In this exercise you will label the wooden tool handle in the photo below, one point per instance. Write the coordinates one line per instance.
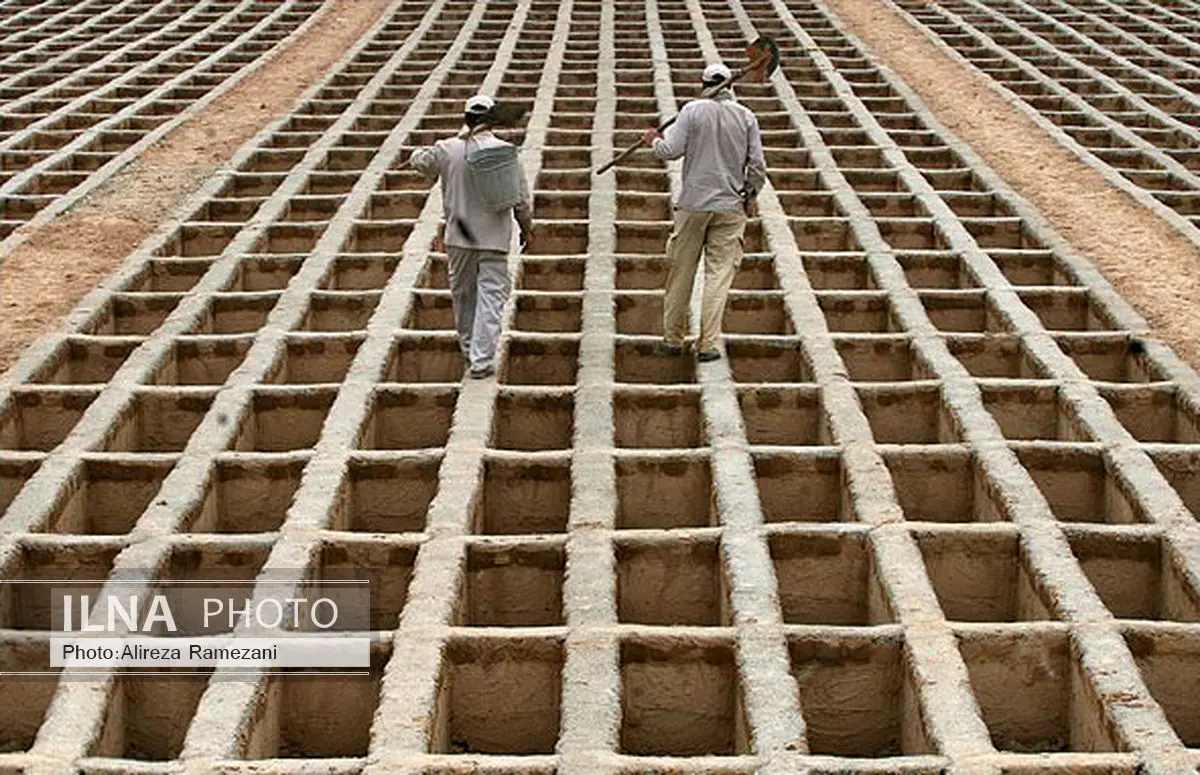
(625, 153)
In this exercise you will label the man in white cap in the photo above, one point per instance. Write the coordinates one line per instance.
(723, 170)
(476, 239)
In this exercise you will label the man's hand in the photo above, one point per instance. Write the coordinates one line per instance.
(650, 136)
(526, 241)
(751, 207)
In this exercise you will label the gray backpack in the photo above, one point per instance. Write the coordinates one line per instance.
(496, 175)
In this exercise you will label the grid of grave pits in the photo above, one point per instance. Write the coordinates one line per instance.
(933, 506)
(1121, 81)
(85, 87)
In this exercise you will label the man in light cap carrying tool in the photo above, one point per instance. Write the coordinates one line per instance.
(723, 170)
(477, 240)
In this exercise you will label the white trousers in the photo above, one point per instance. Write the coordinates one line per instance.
(479, 286)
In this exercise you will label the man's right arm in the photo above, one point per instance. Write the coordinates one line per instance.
(429, 161)
(673, 144)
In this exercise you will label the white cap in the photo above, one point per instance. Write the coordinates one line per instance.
(715, 72)
(480, 103)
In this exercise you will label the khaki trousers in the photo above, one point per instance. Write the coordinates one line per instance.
(720, 235)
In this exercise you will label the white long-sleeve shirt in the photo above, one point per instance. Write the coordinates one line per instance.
(468, 224)
(721, 146)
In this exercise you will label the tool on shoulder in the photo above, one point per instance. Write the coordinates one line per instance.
(763, 56)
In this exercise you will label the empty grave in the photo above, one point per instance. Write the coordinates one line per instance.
(282, 420)
(311, 360)
(827, 577)
(644, 361)
(360, 273)
(202, 360)
(548, 314)
(1033, 413)
(431, 311)
(313, 716)
(425, 359)
(663, 492)
(14, 473)
(533, 420)
(30, 606)
(147, 717)
(655, 418)
(982, 576)
(994, 355)
(943, 486)
(159, 421)
(961, 311)
(1078, 486)
(759, 312)
(640, 313)
(935, 270)
(758, 360)
(1067, 310)
(520, 496)
(671, 582)
(1136, 576)
(864, 312)
(39, 420)
(907, 415)
(86, 361)
(837, 273)
(513, 585)
(1109, 359)
(795, 487)
(237, 563)
(1153, 414)
(132, 314)
(409, 418)
(540, 361)
(880, 359)
(230, 313)
(498, 696)
(388, 568)
(1168, 664)
(247, 495)
(1032, 693)
(339, 311)
(858, 696)
(23, 700)
(784, 416)
(387, 496)
(106, 497)
(681, 698)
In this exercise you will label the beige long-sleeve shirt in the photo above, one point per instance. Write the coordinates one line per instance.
(721, 146)
(468, 224)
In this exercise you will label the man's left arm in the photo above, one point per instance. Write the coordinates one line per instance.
(756, 165)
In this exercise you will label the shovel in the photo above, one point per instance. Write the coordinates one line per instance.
(763, 56)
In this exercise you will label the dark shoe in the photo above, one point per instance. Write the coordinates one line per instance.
(672, 350)
(708, 356)
(482, 373)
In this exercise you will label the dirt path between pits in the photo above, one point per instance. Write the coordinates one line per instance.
(1146, 260)
(46, 277)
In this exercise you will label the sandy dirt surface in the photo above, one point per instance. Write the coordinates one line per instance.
(46, 277)
(1148, 262)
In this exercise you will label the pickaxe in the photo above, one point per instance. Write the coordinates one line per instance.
(763, 56)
